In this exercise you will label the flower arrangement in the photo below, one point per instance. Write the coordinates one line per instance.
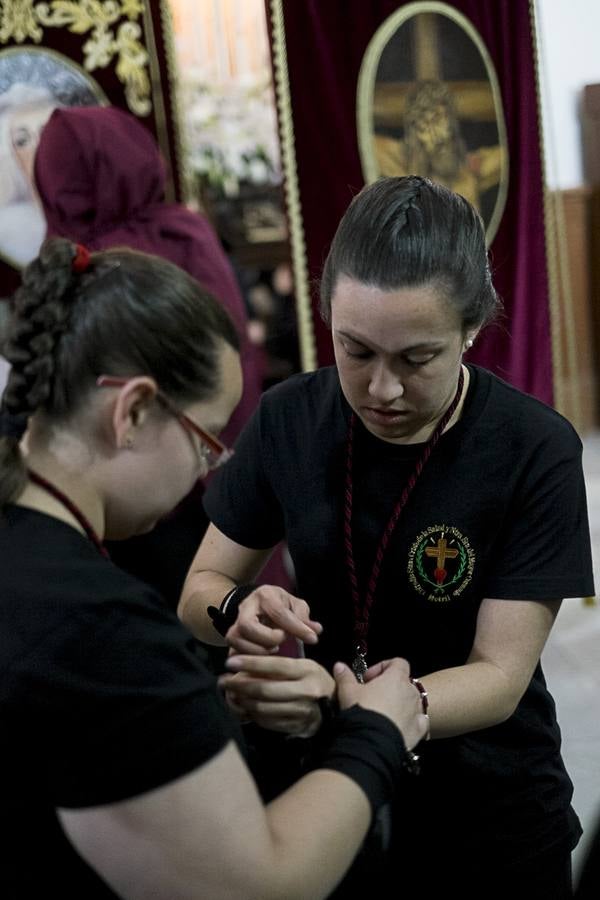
(231, 132)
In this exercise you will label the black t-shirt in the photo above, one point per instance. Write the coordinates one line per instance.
(104, 695)
(499, 511)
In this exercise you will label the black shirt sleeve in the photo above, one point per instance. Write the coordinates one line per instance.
(544, 549)
(240, 499)
(125, 704)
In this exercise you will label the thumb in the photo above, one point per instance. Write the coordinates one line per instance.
(342, 673)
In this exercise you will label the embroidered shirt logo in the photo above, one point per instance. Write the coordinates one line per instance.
(440, 563)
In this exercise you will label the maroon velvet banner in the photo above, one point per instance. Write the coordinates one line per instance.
(75, 54)
(372, 86)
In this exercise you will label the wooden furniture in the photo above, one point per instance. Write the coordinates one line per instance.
(251, 224)
(590, 242)
(573, 322)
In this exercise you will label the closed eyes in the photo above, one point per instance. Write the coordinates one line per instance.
(357, 351)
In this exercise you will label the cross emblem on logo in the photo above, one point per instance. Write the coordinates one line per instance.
(441, 552)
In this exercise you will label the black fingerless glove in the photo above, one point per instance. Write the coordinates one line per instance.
(367, 747)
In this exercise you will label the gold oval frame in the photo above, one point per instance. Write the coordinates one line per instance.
(66, 61)
(366, 89)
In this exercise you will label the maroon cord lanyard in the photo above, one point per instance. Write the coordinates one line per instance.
(362, 611)
(74, 510)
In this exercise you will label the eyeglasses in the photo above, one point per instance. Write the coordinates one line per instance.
(214, 453)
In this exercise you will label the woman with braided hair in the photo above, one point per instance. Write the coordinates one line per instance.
(122, 768)
(102, 181)
(431, 511)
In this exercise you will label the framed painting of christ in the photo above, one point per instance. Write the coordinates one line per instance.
(429, 103)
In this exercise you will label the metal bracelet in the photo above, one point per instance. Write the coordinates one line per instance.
(424, 703)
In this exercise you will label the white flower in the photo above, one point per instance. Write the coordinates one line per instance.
(232, 131)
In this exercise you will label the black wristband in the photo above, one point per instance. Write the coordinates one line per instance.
(367, 747)
(224, 617)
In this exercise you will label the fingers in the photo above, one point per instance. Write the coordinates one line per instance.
(381, 667)
(245, 690)
(375, 670)
(299, 721)
(342, 672)
(253, 641)
(283, 667)
(289, 613)
(267, 615)
(287, 619)
(347, 687)
(275, 679)
(278, 693)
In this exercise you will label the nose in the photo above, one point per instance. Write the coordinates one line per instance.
(384, 384)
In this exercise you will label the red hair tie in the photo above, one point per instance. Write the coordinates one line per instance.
(81, 260)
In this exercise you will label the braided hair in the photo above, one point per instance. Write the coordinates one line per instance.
(408, 232)
(127, 314)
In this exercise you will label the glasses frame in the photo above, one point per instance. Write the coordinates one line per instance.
(217, 454)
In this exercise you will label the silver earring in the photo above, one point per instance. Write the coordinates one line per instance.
(468, 343)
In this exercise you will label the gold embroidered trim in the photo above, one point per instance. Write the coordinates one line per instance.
(160, 115)
(308, 354)
(556, 250)
(18, 21)
(21, 20)
(181, 154)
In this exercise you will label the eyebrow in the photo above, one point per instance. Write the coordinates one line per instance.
(423, 345)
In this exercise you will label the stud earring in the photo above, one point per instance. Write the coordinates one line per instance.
(468, 343)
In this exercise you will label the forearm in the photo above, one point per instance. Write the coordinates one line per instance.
(485, 691)
(367, 754)
(324, 803)
(218, 566)
(468, 698)
(207, 834)
(201, 590)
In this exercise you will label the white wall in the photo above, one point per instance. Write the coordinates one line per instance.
(569, 48)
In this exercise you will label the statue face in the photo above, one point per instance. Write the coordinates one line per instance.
(432, 128)
(26, 126)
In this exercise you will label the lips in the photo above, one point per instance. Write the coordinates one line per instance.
(383, 416)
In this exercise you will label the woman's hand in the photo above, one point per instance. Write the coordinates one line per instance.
(388, 690)
(266, 617)
(279, 693)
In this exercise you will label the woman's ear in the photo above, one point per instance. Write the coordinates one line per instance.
(131, 409)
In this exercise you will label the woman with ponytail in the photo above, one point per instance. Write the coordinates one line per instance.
(432, 511)
(123, 771)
